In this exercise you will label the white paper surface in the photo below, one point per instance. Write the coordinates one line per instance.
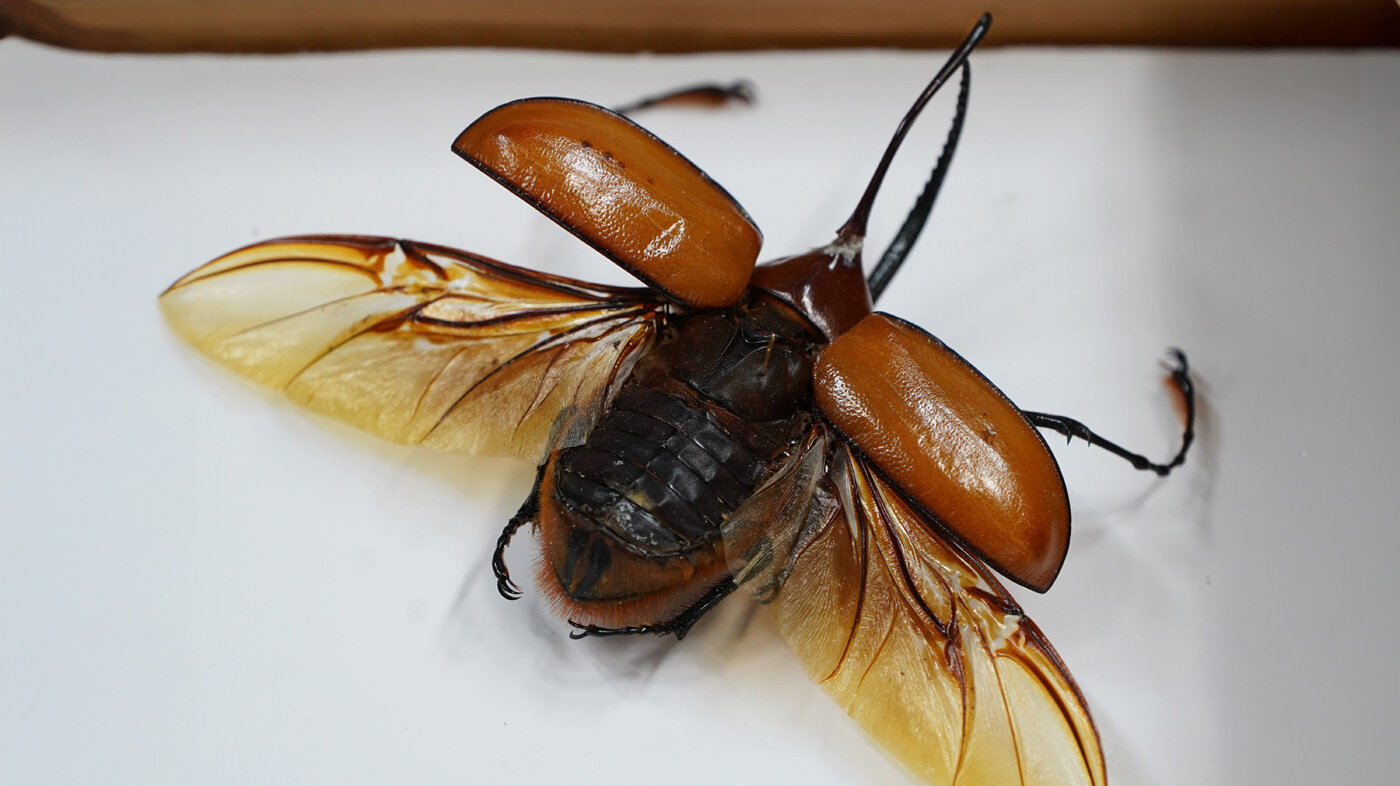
(200, 583)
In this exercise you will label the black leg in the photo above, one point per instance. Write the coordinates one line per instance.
(677, 626)
(1071, 428)
(707, 94)
(526, 515)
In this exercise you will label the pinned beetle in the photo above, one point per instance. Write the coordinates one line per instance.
(729, 425)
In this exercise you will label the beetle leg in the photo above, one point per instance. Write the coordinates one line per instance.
(705, 94)
(1071, 428)
(678, 625)
(529, 512)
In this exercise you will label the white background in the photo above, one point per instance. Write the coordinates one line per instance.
(200, 583)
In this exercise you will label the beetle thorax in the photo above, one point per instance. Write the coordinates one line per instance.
(826, 285)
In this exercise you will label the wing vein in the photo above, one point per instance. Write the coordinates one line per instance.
(370, 324)
(910, 594)
(521, 354)
(433, 380)
(295, 260)
(863, 547)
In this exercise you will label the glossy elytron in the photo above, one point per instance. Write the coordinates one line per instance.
(726, 426)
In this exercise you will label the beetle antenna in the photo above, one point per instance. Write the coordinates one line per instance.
(855, 225)
(913, 225)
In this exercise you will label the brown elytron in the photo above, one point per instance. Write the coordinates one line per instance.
(953, 442)
(724, 428)
(622, 190)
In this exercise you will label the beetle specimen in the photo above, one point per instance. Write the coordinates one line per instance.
(728, 425)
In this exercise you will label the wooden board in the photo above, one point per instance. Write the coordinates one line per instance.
(688, 25)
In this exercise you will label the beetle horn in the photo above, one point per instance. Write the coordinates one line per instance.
(913, 225)
(854, 228)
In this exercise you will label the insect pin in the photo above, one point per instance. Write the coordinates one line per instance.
(727, 425)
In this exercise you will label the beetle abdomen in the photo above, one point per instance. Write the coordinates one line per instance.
(631, 518)
(657, 474)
